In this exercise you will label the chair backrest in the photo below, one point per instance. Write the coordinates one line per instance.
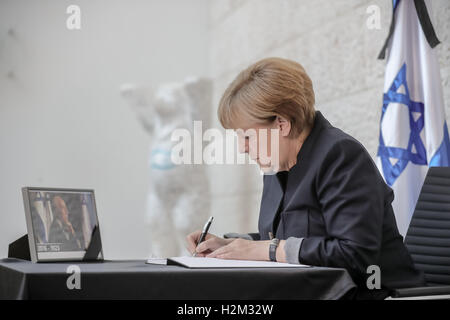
(428, 237)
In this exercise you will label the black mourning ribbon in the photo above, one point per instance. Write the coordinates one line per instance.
(95, 246)
(425, 22)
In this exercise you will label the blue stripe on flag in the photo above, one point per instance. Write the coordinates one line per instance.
(395, 3)
(442, 156)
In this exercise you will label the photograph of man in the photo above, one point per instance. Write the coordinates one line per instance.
(61, 229)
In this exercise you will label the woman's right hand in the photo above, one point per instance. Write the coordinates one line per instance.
(211, 243)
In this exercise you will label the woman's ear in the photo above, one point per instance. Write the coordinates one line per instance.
(283, 125)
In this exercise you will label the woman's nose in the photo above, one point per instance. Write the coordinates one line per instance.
(243, 149)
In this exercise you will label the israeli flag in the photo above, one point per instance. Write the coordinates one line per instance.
(413, 129)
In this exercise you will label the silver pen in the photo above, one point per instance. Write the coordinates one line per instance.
(204, 233)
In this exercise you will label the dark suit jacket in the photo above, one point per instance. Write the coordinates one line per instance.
(59, 234)
(338, 202)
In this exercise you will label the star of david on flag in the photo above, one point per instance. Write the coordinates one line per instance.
(413, 129)
(415, 151)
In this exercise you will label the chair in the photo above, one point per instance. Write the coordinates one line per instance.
(428, 238)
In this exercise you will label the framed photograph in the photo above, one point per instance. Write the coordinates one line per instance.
(61, 223)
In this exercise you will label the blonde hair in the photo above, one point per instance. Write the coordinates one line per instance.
(269, 88)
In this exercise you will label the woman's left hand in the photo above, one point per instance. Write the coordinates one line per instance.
(241, 249)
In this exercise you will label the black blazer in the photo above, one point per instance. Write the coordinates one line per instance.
(338, 202)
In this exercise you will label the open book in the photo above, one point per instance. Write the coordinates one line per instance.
(201, 262)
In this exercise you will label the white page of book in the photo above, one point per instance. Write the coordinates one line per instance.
(201, 262)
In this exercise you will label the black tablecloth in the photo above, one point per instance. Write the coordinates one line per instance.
(20, 279)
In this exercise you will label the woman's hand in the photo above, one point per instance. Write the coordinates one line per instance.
(237, 249)
(211, 243)
(243, 249)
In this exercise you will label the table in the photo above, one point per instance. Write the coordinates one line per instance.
(21, 279)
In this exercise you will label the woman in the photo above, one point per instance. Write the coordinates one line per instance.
(327, 205)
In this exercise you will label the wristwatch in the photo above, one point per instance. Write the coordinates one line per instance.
(273, 249)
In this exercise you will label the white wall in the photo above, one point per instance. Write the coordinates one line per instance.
(62, 120)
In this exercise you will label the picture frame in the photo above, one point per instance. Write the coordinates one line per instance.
(62, 224)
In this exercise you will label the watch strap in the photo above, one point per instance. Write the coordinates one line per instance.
(273, 249)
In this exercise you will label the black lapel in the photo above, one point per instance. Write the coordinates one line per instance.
(298, 171)
(270, 203)
(273, 191)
